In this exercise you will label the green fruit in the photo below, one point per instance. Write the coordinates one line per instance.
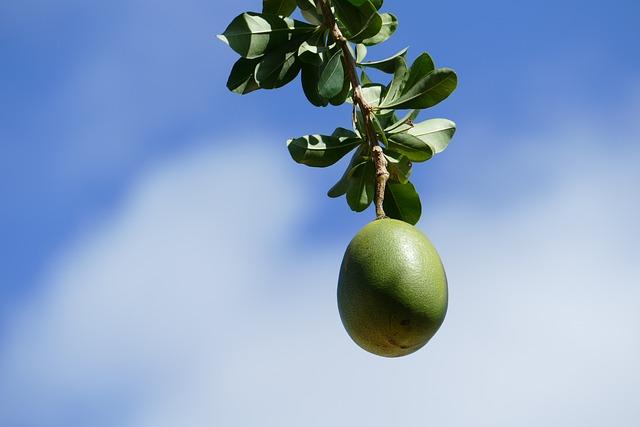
(392, 290)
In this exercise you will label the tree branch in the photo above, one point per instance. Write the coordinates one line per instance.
(382, 174)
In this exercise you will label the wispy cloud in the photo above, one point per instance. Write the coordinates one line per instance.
(188, 307)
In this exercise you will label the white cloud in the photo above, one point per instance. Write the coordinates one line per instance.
(190, 308)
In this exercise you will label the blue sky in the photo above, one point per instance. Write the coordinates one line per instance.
(142, 203)
(97, 92)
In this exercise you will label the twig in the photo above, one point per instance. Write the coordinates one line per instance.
(382, 174)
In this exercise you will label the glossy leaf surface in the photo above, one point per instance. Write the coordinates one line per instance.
(340, 187)
(411, 146)
(426, 92)
(242, 78)
(320, 150)
(278, 7)
(361, 186)
(399, 166)
(332, 77)
(310, 77)
(401, 201)
(252, 34)
(386, 65)
(389, 26)
(279, 67)
(436, 133)
(357, 23)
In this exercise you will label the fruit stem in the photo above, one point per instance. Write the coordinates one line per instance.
(349, 62)
(382, 175)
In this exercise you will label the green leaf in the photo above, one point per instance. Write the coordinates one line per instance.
(332, 77)
(342, 97)
(253, 34)
(436, 133)
(377, 3)
(411, 146)
(278, 7)
(311, 54)
(344, 133)
(359, 22)
(387, 65)
(310, 78)
(399, 166)
(372, 93)
(242, 79)
(379, 129)
(426, 92)
(404, 78)
(401, 172)
(310, 11)
(400, 75)
(312, 50)
(361, 52)
(361, 186)
(278, 67)
(359, 124)
(357, 2)
(320, 150)
(422, 66)
(403, 124)
(401, 201)
(389, 26)
(342, 185)
(384, 119)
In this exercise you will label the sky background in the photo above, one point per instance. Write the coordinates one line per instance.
(163, 262)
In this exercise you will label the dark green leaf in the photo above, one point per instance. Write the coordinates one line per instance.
(310, 54)
(357, 22)
(342, 97)
(422, 66)
(360, 124)
(426, 92)
(400, 75)
(401, 201)
(377, 3)
(436, 133)
(278, 7)
(253, 34)
(361, 52)
(384, 119)
(387, 65)
(278, 67)
(344, 133)
(411, 146)
(310, 77)
(342, 185)
(361, 186)
(405, 78)
(332, 77)
(320, 150)
(399, 166)
(377, 126)
(310, 11)
(403, 124)
(242, 79)
(312, 50)
(389, 26)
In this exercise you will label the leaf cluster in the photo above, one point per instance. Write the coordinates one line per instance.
(274, 48)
